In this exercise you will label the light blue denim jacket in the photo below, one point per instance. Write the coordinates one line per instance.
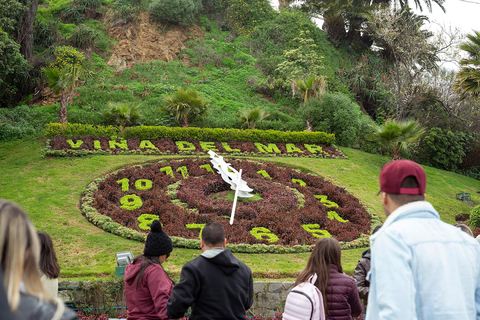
(423, 268)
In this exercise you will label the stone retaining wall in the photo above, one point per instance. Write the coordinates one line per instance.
(269, 296)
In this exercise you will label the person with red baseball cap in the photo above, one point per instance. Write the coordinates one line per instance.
(421, 268)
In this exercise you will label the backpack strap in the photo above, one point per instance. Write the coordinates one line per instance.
(309, 299)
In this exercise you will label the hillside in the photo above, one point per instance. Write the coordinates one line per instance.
(49, 190)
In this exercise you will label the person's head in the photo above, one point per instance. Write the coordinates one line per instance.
(48, 260)
(213, 236)
(327, 251)
(19, 253)
(158, 243)
(464, 228)
(401, 182)
(158, 247)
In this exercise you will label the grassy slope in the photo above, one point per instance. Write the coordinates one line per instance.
(49, 189)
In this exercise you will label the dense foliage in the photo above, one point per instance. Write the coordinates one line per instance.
(175, 11)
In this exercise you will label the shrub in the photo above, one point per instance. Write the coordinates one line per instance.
(121, 114)
(252, 117)
(45, 33)
(443, 148)
(186, 106)
(14, 70)
(475, 217)
(243, 16)
(127, 9)
(83, 37)
(180, 133)
(213, 6)
(337, 114)
(22, 121)
(92, 4)
(74, 13)
(181, 12)
(229, 63)
(67, 55)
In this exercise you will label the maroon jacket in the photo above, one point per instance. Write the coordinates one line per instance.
(149, 302)
(342, 296)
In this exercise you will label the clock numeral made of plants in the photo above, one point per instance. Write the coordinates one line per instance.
(289, 207)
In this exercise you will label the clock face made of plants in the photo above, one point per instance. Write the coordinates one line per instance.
(289, 208)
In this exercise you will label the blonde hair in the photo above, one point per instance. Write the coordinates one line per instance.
(19, 254)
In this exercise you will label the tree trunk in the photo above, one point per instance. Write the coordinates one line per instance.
(62, 113)
(185, 122)
(25, 38)
(396, 154)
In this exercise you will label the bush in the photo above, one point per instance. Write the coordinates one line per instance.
(83, 37)
(213, 6)
(178, 133)
(45, 33)
(337, 114)
(444, 149)
(127, 9)
(243, 16)
(13, 70)
(22, 121)
(121, 114)
(181, 12)
(365, 130)
(475, 217)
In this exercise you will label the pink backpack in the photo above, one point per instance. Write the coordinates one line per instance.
(304, 302)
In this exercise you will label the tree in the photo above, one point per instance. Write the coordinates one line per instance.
(25, 36)
(11, 12)
(13, 70)
(64, 81)
(312, 87)
(121, 114)
(468, 78)
(397, 135)
(185, 106)
(252, 117)
(413, 52)
(303, 61)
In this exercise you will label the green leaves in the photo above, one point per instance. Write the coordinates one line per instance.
(397, 135)
(252, 117)
(186, 106)
(468, 78)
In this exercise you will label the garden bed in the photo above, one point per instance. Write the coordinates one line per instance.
(293, 209)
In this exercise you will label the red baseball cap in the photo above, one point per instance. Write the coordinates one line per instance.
(393, 174)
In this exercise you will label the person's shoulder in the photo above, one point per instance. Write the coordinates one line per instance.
(33, 307)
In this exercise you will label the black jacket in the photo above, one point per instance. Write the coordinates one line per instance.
(220, 287)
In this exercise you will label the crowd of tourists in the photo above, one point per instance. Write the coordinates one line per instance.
(418, 267)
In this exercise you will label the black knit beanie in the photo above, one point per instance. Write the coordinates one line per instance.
(158, 242)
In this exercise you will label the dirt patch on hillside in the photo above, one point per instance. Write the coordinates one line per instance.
(144, 40)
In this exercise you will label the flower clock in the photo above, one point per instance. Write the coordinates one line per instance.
(289, 209)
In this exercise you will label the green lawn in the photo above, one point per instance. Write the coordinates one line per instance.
(49, 190)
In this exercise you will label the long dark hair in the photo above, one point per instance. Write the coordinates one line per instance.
(48, 260)
(326, 251)
(145, 262)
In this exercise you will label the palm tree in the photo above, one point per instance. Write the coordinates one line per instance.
(312, 87)
(121, 114)
(251, 117)
(468, 78)
(64, 81)
(185, 106)
(397, 135)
